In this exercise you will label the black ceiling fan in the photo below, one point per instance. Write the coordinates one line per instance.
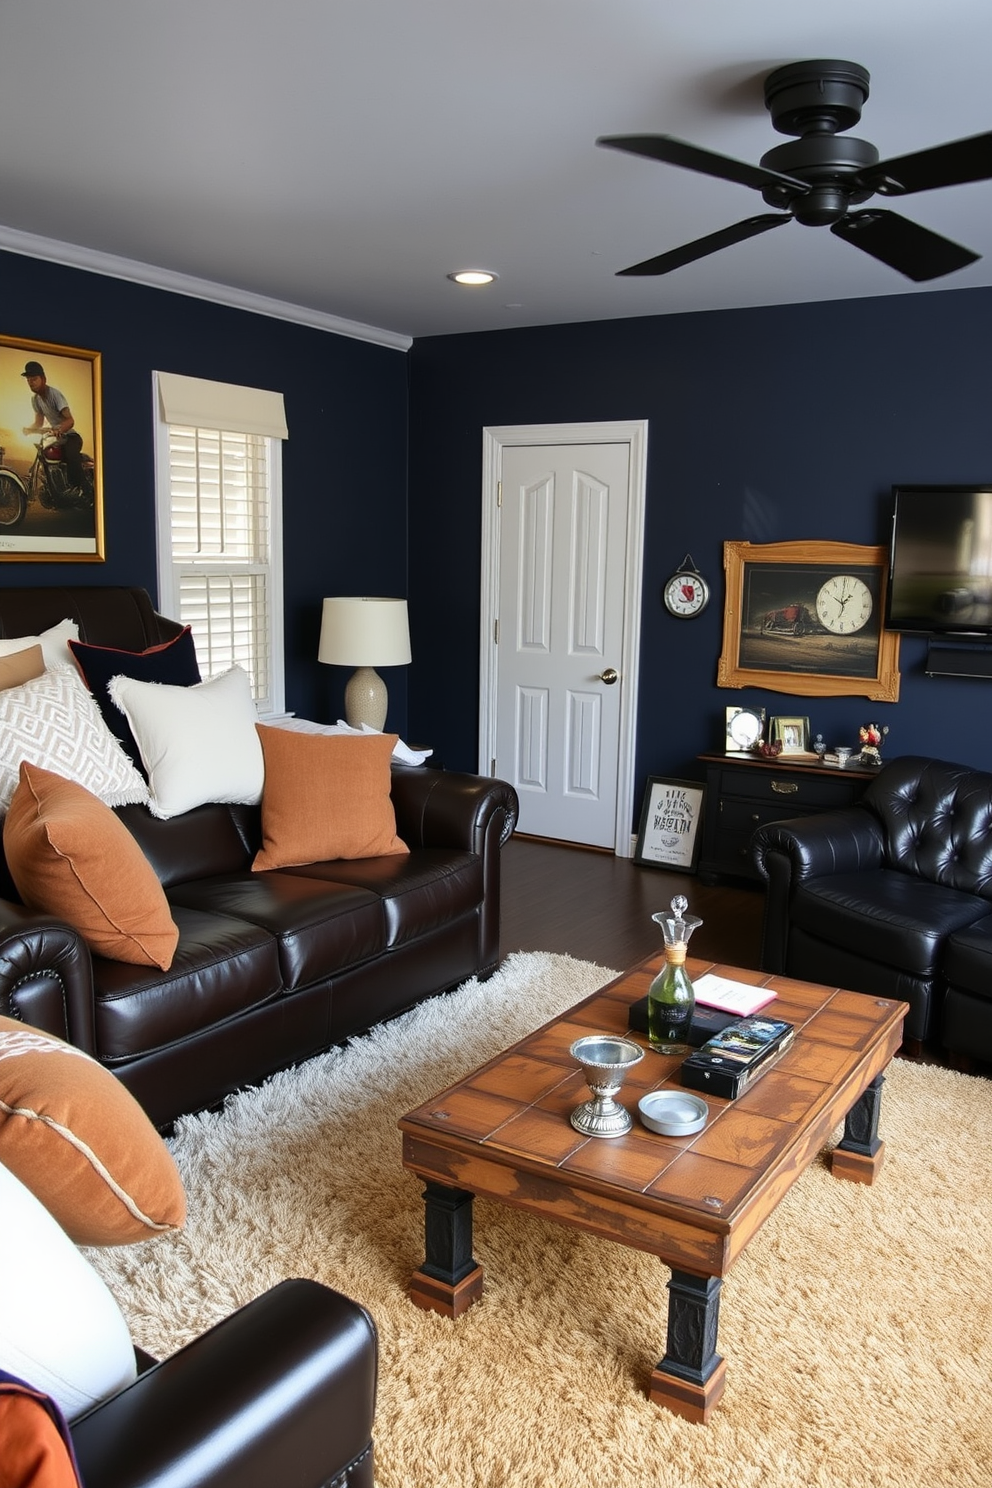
(821, 175)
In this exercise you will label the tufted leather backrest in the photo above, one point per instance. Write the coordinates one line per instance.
(937, 820)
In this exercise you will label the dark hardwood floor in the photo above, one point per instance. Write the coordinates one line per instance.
(597, 907)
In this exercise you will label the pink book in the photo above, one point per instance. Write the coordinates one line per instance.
(731, 997)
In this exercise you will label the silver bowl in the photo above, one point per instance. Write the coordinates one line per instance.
(605, 1059)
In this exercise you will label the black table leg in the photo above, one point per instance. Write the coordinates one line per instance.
(689, 1380)
(858, 1155)
(450, 1279)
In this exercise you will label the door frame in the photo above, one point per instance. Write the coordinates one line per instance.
(633, 433)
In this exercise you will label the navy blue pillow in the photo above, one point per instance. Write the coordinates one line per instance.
(174, 663)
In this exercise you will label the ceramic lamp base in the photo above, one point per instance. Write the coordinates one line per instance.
(365, 699)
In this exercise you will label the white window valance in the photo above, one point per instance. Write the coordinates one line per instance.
(196, 402)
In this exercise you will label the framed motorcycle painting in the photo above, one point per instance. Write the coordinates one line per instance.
(51, 455)
(808, 618)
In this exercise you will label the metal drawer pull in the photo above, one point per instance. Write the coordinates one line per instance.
(785, 787)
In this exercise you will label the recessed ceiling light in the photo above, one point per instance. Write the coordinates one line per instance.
(473, 276)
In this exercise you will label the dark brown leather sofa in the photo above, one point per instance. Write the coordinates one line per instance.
(893, 897)
(271, 967)
(280, 1393)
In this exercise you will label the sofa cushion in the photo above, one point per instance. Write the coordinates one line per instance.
(52, 721)
(21, 666)
(419, 891)
(223, 967)
(202, 843)
(320, 928)
(171, 662)
(326, 796)
(60, 1328)
(197, 744)
(884, 916)
(967, 961)
(72, 1133)
(70, 856)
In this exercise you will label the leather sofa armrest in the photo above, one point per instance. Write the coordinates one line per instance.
(46, 976)
(442, 808)
(282, 1392)
(848, 841)
(787, 853)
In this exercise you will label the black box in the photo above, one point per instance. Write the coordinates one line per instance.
(731, 1061)
(706, 1021)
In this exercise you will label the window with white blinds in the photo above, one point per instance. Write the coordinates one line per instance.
(220, 556)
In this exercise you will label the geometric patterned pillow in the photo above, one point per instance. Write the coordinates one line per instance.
(52, 721)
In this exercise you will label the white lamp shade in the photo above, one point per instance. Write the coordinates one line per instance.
(364, 631)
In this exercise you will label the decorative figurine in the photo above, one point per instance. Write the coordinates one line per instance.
(819, 747)
(871, 736)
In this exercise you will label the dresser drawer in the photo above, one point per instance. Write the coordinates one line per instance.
(804, 791)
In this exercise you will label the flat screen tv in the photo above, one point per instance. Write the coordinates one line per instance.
(940, 567)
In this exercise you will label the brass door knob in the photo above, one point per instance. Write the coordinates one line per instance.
(610, 676)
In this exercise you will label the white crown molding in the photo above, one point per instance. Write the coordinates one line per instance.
(95, 262)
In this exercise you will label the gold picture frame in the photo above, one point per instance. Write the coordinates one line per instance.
(792, 733)
(808, 618)
(52, 493)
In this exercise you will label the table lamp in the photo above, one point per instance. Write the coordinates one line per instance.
(365, 632)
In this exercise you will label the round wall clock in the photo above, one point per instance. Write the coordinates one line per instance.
(686, 594)
(843, 604)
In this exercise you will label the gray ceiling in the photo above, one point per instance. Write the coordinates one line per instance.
(345, 155)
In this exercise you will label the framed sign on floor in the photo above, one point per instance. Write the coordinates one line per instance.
(670, 817)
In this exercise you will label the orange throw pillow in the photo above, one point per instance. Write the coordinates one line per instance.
(70, 856)
(21, 667)
(325, 796)
(77, 1138)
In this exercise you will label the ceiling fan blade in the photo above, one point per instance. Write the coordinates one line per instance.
(666, 262)
(905, 246)
(671, 151)
(944, 165)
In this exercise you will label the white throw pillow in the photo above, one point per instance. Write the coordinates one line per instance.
(197, 744)
(60, 1329)
(53, 643)
(52, 721)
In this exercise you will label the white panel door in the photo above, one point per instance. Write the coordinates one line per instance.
(562, 547)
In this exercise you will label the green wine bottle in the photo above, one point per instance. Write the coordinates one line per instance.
(671, 1004)
(671, 999)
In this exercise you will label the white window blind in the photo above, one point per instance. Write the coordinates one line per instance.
(219, 549)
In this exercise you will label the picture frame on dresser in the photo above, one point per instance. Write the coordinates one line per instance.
(669, 834)
(51, 488)
(807, 618)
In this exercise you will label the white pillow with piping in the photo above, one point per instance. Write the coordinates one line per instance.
(53, 721)
(60, 1329)
(197, 744)
(53, 643)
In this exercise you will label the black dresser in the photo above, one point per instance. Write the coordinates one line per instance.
(743, 792)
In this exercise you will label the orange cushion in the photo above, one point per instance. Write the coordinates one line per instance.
(325, 796)
(21, 666)
(77, 1138)
(36, 1451)
(70, 856)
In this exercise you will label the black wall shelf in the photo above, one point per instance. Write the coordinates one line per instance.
(958, 659)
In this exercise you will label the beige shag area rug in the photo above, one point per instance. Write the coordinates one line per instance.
(857, 1327)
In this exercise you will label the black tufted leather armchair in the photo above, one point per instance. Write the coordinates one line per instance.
(877, 897)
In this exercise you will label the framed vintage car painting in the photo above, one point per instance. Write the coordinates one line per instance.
(51, 464)
(807, 618)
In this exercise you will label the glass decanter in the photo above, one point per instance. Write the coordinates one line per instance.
(671, 999)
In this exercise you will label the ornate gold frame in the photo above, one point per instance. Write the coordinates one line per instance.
(818, 558)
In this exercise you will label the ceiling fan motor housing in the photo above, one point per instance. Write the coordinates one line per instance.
(816, 97)
(815, 100)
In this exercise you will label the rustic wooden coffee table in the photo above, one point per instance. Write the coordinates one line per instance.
(503, 1132)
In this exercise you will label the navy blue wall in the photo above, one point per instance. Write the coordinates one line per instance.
(344, 464)
(768, 425)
